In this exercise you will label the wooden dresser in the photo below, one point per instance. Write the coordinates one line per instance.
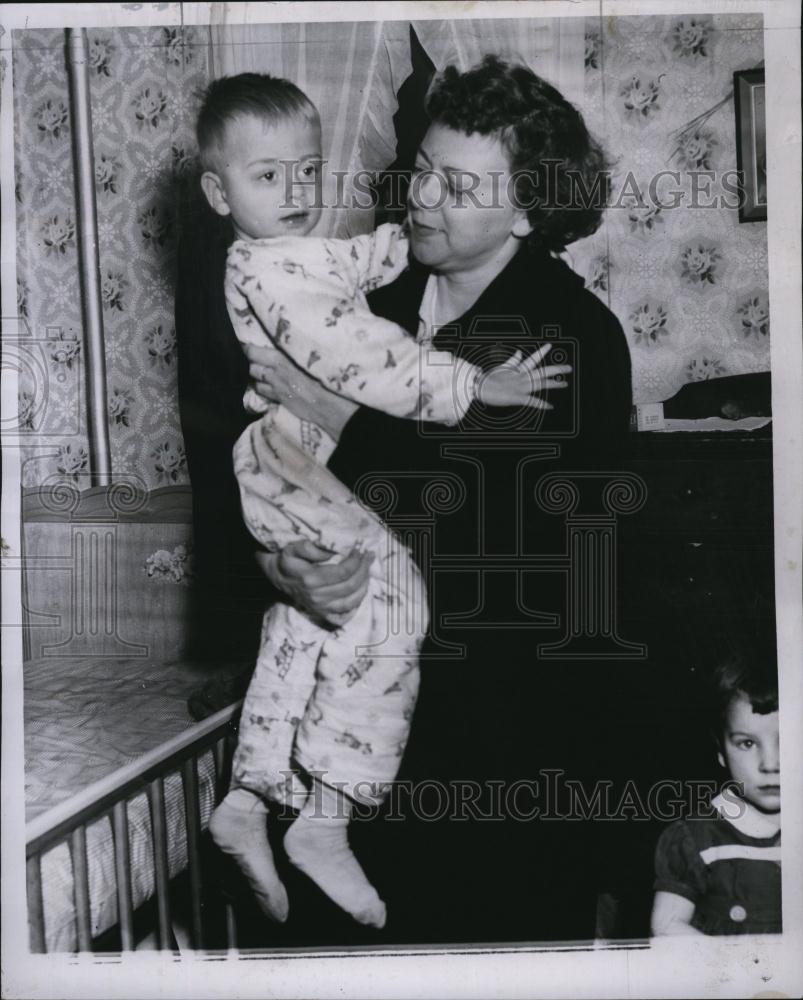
(697, 559)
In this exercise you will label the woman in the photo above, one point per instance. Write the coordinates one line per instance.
(498, 187)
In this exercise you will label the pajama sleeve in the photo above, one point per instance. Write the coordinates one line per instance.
(305, 296)
(374, 259)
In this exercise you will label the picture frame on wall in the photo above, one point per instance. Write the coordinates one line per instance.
(751, 144)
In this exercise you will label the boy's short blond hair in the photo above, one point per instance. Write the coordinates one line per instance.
(229, 97)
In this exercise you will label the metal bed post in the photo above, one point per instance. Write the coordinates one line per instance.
(36, 908)
(89, 256)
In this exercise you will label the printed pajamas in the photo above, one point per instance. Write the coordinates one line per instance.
(337, 704)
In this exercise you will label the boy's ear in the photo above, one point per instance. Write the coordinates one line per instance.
(215, 194)
(720, 758)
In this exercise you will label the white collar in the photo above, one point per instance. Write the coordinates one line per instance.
(426, 311)
(745, 817)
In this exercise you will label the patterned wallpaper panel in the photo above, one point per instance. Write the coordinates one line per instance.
(689, 284)
(143, 92)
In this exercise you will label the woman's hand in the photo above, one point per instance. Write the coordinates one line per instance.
(518, 381)
(329, 592)
(278, 380)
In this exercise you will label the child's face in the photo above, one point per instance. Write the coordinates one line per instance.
(752, 753)
(267, 177)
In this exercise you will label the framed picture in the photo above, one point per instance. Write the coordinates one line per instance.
(751, 144)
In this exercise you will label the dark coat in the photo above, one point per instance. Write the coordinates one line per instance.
(496, 714)
(495, 464)
(536, 297)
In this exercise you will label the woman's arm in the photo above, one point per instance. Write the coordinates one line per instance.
(672, 914)
(330, 333)
(328, 592)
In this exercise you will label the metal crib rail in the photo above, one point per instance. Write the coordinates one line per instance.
(80, 867)
(69, 820)
(156, 799)
(189, 772)
(122, 868)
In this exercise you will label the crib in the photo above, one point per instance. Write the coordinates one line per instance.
(95, 857)
(120, 780)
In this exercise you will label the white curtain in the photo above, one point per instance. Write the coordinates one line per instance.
(552, 47)
(352, 71)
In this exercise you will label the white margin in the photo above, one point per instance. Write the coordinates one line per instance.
(670, 967)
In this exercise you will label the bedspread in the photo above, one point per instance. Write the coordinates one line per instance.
(85, 718)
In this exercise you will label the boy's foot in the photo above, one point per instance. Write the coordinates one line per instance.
(238, 828)
(318, 846)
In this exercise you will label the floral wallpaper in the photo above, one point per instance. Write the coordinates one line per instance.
(143, 84)
(688, 283)
(171, 567)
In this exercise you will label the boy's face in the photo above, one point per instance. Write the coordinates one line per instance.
(267, 177)
(752, 753)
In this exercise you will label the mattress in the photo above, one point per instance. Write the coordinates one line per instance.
(85, 718)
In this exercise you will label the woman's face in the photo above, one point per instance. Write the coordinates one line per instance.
(459, 203)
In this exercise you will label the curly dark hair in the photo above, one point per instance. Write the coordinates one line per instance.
(259, 94)
(561, 173)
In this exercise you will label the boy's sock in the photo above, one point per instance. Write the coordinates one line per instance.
(238, 827)
(317, 844)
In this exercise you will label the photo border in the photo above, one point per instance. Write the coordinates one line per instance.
(664, 967)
